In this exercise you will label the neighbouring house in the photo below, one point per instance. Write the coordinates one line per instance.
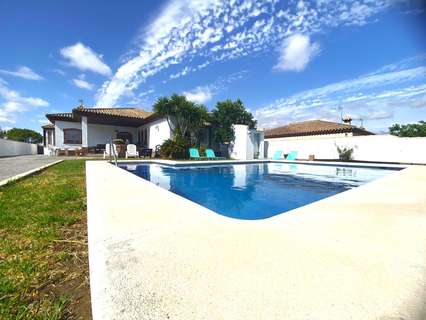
(315, 129)
(314, 139)
(86, 128)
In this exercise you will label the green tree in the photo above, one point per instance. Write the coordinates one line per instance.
(185, 118)
(227, 113)
(24, 135)
(2, 133)
(409, 130)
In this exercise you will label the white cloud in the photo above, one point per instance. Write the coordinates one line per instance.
(145, 93)
(199, 94)
(371, 97)
(215, 30)
(296, 52)
(203, 94)
(23, 72)
(12, 102)
(85, 59)
(59, 71)
(82, 83)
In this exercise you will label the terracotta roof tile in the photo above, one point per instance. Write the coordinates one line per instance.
(115, 112)
(313, 127)
(66, 116)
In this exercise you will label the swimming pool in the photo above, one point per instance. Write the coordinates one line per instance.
(255, 190)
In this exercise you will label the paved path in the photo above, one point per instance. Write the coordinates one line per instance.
(13, 166)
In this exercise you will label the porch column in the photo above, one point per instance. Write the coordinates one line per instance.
(84, 135)
(44, 138)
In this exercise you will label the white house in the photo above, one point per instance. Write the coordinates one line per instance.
(86, 128)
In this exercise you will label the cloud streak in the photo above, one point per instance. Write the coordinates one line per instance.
(13, 102)
(22, 72)
(81, 82)
(374, 96)
(199, 94)
(203, 94)
(202, 32)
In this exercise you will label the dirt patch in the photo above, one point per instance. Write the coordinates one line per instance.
(71, 272)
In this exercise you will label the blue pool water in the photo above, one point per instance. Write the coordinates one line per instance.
(255, 191)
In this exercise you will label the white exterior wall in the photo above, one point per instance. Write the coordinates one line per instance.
(380, 148)
(16, 148)
(96, 133)
(59, 133)
(101, 134)
(247, 142)
(158, 132)
(239, 146)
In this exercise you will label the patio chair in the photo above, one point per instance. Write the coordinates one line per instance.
(195, 155)
(277, 155)
(131, 151)
(100, 148)
(292, 155)
(146, 152)
(211, 155)
(107, 150)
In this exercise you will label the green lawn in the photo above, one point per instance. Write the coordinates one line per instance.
(43, 245)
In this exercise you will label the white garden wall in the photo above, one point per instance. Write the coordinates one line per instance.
(380, 148)
(16, 148)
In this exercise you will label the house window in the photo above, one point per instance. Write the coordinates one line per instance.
(144, 137)
(49, 137)
(72, 136)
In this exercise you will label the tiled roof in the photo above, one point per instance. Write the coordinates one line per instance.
(66, 116)
(134, 113)
(313, 127)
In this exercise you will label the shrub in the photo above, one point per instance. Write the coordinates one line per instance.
(118, 141)
(202, 150)
(345, 153)
(409, 130)
(176, 149)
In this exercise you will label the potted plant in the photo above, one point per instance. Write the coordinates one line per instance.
(345, 153)
(120, 147)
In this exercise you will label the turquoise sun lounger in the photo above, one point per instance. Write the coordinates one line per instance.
(277, 155)
(211, 155)
(195, 155)
(292, 155)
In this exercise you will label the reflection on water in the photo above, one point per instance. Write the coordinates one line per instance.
(255, 191)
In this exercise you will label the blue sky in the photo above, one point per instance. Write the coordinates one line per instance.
(287, 60)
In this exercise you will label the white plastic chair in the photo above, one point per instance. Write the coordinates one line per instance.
(132, 151)
(107, 150)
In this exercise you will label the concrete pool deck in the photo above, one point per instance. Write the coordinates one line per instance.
(358, 255)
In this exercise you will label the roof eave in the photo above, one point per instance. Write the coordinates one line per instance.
(317, 133)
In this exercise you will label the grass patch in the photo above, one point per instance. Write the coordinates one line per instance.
(43, 245)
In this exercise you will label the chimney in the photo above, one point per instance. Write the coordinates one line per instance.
(347, 120)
